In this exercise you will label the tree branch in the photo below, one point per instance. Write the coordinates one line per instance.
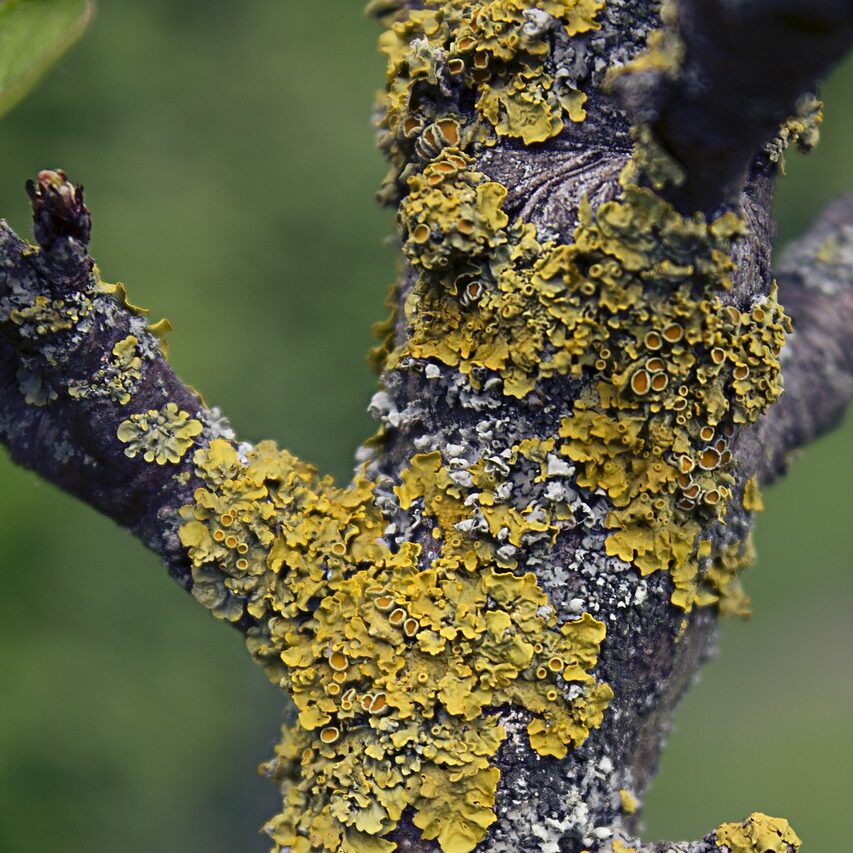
(64, 387)
(745, 64)
(816, 286)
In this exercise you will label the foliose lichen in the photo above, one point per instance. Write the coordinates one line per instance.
(401, 613)
(759, 833)
(801, 129)
(162, 436)
(498, 52)
(392, 661)
(637, 307)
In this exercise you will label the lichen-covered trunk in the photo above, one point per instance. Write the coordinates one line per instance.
(485, 633)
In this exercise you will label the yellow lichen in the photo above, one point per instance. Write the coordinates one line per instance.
(493, 49)
(119, 293)
(160, 330)
(159, 436)
(758, 834)
(118, 379)
(664, 51)
(752, 500)
(721, 578)
(802, 129)
(391, 663)
(636, 305)
(628, 801)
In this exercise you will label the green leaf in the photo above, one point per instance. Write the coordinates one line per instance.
(34, 34)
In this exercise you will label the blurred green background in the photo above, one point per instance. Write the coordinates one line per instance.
(229, 164)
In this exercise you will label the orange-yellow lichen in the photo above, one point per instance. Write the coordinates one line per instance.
(159, 436)
(758, 834)
(636, 304)
(452, 214)
(391, 663)
(493, 49)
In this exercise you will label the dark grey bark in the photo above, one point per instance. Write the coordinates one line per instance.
(746, 64)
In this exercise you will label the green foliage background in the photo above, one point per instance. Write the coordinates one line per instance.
(229, 164)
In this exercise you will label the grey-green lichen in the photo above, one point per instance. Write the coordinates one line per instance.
(35, 388)
(49, 326)
(53, 328)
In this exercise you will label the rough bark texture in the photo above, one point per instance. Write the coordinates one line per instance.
(79, 370)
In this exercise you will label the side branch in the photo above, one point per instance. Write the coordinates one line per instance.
(743, 67)
(76, 362)
(816, 286)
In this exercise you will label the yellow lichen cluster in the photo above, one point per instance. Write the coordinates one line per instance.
(452, 216)
(719, 574)
(496, 51)
(160, 436)
(46, 316)
(758, 834)
(636, 305)
(118, 379)
(801, 129)
(392, 662)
